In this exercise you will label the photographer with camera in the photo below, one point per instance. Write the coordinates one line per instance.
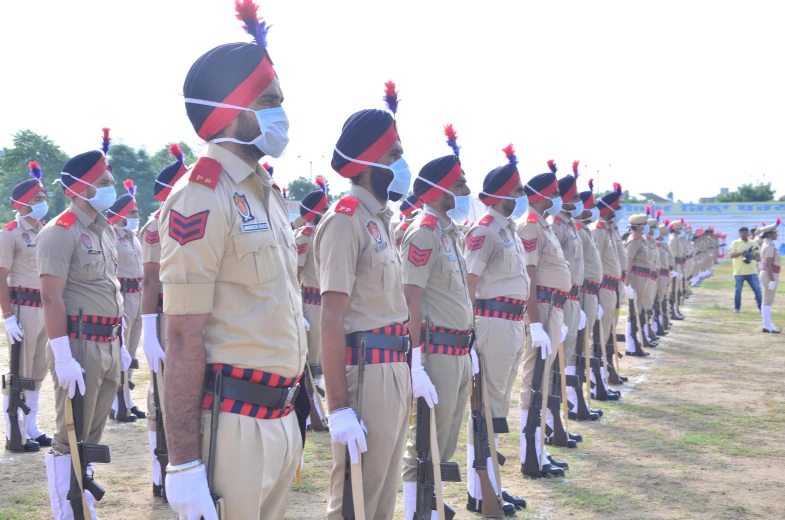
(745, 254)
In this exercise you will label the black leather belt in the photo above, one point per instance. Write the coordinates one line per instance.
(316, 370)
(450, 340)
(93, 329)
(26, 294)
(551, 296)
(380, 341)
(497, 306)
(252, 393)
(130, 284)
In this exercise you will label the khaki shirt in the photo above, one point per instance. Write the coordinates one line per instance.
(400, 230)
(129, 254)
(151, 244)
(304, 242)
(602, 234)
(769, 250)
(592, 262)
(83, 252)
(664, 255)
(544, 252)
(567, 234)
(227, 250)
(354, 255)
(17, 252)
(495, 254)
(619, 244)
(654, 257)
(433, 261)
(637, 250)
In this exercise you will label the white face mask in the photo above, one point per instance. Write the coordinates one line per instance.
(402, 176)
(131, 224)
(556, 203)
(463, 203)
(37, 212)
(103, 199)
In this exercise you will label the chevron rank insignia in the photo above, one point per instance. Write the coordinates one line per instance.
(529, 245)
(419, 257)
(187, 229)
(474, 243)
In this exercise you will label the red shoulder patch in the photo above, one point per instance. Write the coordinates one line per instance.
(66, 219)
(532, 218)
(347, 205)
(419, 257)
(578, 226)
(557, 221)
(474, 243)
(486, 220)
(429, 221)
(404, 226)
(11, 225)
(206, 171)
(600, 224)
(307, 231)
(157, 214)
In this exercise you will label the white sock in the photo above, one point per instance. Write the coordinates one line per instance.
(409, 499)
(628, 339)
(765, 311)
(31, 398)
(156, 465)
(572, 395)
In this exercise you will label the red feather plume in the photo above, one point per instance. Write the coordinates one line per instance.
(682, 219)
(176, 152)
(667, 221)
(552, 166)
(648, 210)
(575, 168)
(246, 9)
(450, 133)
(658, 213)
(591, 185)
(319, 181)
(128, 184)
(779, 221)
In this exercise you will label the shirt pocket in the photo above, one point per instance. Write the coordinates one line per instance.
(452, 270)
(257, 257)
(381, 272)
(91, 267)
(510, 261)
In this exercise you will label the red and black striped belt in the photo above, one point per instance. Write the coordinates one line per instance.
(130, 285)
(388, 344)
(574, 292)
(610, 283)
(26, 296)
(500, 307)
(251, 392)
(644, 272)
(312, 296)
(551, 296)
(451, 342)
(590, 287)
(664, 272)
(103, 329)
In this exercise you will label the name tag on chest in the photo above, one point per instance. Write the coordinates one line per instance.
(255, 226)
(94, 251)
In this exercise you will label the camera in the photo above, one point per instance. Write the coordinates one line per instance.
(748, 255)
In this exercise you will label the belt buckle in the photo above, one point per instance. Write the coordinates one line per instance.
(290, 396)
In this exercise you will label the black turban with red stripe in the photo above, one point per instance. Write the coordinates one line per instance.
(443, 171)
(544, 183)
(366, 136)
(86, 166)
(313, 203)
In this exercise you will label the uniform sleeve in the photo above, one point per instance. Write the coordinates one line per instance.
(420, 250)
(302, 249)
(338, 250)
(53, 251)
(151, 244)
(478, 251)
(193, 228)
(7, 249)
(599, 240)
(632, 247)
(532, 243)
(768, 252)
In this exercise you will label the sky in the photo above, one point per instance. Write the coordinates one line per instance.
(660, 96)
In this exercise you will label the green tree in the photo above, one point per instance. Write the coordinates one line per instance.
(128, 163)
(782, 199)
(749, 193)
(162, 158)
(300, 187)
(30, 146)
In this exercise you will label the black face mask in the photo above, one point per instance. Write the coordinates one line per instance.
(380, 181)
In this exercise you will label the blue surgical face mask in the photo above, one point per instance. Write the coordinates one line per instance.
(463, 203)
(273, 125)
(38, 211)
(618, 217)
(131, 224)
(574, 213)
(656, 233)
(402, 176)
(646, 229)
(595, 214)
(556, 208)
(103, 199)
(521, 204)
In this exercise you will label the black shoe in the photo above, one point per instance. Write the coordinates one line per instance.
(475, 506)
(44, 440)
(653, 344)
(636, 354)
(141, 414)
(661, 333)
(28, 447)
(556, 463)
(772, 331)
(549, 470)
(613, 396)
(158, 490)
(572, 443)
(129, 418)
(574, 417)
(597, 411)
(577, 437)
(518, 502)
(624, 379)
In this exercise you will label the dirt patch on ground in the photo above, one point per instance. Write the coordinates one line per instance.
(699, 433)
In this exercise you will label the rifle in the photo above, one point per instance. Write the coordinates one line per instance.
(353, 505)
(161, 451)
(563, 378)
(82, 454)
(17, 386)
(431, 472)
(215, 411)
(491, 508)
(124, 391)
(597, 363)
(614, 337)
(532, 465)
(317, 422)
(587, 362)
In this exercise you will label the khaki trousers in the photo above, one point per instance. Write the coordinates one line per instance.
(150, 394)
(607, 300)
(662, 287)
(552, 319)
(313, 313)
(132, 308)
(451, 375)
(101, 365)
(32, 362)
(500, 344)
(763, 276)
(590, 304)
(255, 463)
(572, 317)
(641, 287)
(387, 397)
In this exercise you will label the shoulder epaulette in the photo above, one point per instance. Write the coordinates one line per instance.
(532, 218)
(659, 244)
(404, 226)
(66, 219)
(157, 213)
(347, 205)
(11, 225)
(600, 225)
(307, 231)
(430, 222)
(206, 171)
(578, 226)
(557, 221)
(486, 220)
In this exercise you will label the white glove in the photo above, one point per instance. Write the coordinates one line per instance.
(347, 430)
(772, 285)
(422, 386)
(13, 329)
(582, 321)
(67, 369)
(681, 276)
(150, 343)
(306, 324)
(599, 311)
(540, 339)
(674, 274)
(475, 362)
(564, 331)
(188, 494)
(630, 292)
(125, 358)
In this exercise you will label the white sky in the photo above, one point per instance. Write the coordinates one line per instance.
(683, 96)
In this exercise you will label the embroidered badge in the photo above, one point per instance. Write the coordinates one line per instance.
(241, 203)
(301, 248)
(419, 257)
(124, 242)
(187, 229)
(151, 237)
(26, 237)
(446, 244)
(86, 241)
(373, 229)
(505, 238)
(474, 243)
(529, 245)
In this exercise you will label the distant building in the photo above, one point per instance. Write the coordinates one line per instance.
(708, 200)
(653, 197)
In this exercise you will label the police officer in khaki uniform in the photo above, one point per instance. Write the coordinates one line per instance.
(612, 376)
(229, 271)
(549, 283)
(77, 266)
(410, 208)
(124, 218)
(676, 248)
(666, 268)
(770, 274)
(363, 305)
(434, 277)
(636, 282)
(19, 289)
(312, 209)
(651, 284)
(499, 290)
(153, 318)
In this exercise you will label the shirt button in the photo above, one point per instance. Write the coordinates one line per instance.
(259, 249)
(299, 315)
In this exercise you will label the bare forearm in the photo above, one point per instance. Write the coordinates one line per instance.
(183, 382)
(534, 314)
(150, 286)
(54, 316)
(5, 296)
(334, 359)
(629, 272)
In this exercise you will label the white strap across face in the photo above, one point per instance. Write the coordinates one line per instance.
(358, 161)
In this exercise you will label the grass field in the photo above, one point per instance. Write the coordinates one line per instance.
(698, 433)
